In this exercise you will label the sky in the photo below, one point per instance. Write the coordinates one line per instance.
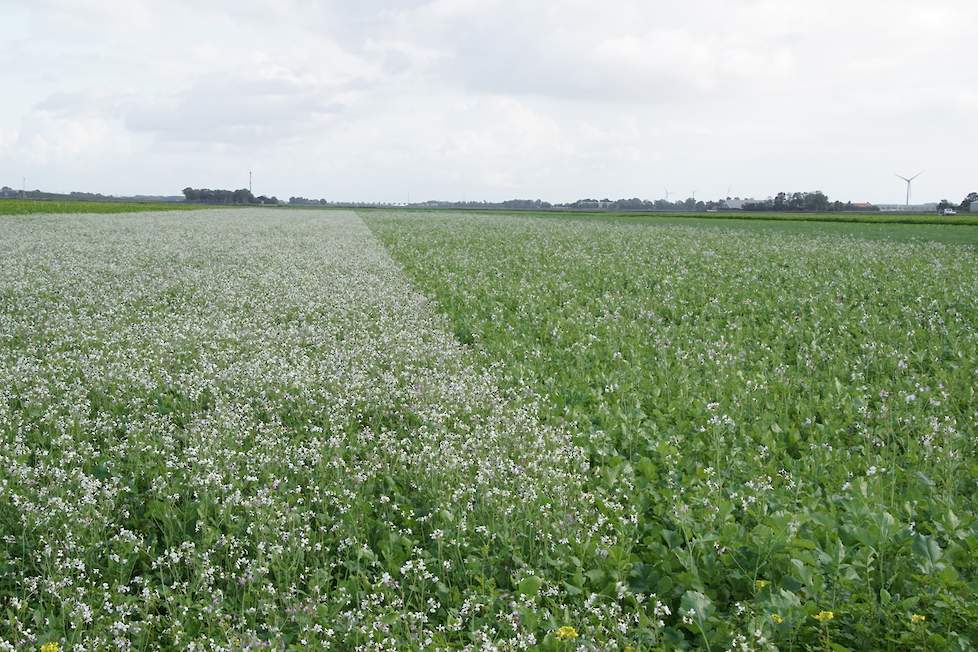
(409, 100)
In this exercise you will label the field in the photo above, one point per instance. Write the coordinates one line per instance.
(31, 206)
(956, 233)
(873, 226)
(734, 217)
(792, 416)
(266, 429)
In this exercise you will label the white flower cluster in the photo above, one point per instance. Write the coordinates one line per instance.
(245, 430)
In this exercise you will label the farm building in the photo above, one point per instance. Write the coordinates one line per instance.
(974, 207)
(736, 204)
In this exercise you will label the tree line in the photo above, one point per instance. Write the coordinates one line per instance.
(6, 192)
(815, 201)
(783, 201)
(963, 207)
(232, 197)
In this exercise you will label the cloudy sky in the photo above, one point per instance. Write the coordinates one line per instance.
(492, 99)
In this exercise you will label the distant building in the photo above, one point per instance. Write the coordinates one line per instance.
(736, 204)
(862, 206)
(974, 207)
(912, 208)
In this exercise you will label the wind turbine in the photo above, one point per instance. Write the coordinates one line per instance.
(909, 180)
(667, 194)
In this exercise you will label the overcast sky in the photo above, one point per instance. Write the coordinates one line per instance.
(492, 99)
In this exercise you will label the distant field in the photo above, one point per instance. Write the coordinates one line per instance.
(957, 232)
(29, 206)
(858, 218)
(870, 226)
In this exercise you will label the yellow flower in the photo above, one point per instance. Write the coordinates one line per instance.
(760, 584)
(50, 647)
(917, 618)
(824, 616)
(777, 618)
(566, 633)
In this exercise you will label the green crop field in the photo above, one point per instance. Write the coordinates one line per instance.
(792, 416)
(925, 229)
(293, 430)
(874, 226)
(31, 206)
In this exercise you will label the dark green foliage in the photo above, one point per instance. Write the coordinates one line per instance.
(794, 415)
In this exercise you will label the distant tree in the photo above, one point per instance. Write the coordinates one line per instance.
(208, 196)
(797, 201)
(816, 201)
(966, 203)
(943, 204)
(630, 204)
(243, 196)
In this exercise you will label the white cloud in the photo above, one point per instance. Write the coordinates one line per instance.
(236, 111)
(491, 98)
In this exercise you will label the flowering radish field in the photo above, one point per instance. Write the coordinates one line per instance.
(245, 430)
(300, 430)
